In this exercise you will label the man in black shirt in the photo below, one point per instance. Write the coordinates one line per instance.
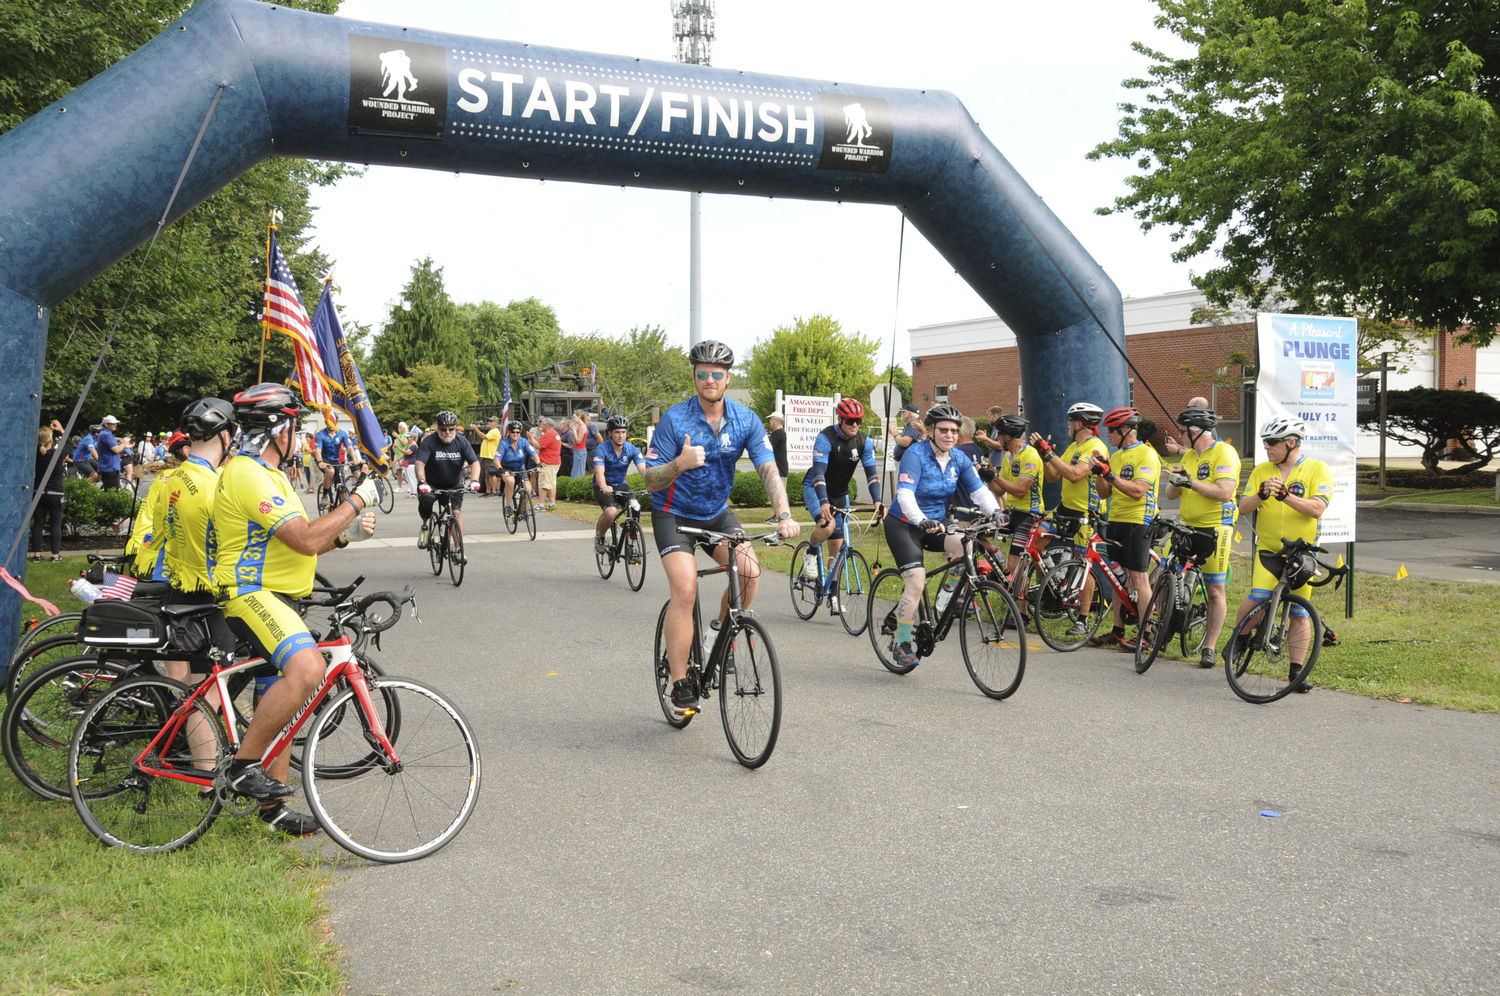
(440, 462)
(777, 438)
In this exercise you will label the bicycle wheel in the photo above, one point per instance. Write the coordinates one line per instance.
(41, 654)
(390, 720)
(325, 501)
(750, 694)
(124, 806)
(47, 629)
(453, 544)
(604, 559)
(528, 509)
(1062, 619)
(634, 552)
(393, 812)
(387, 495)
(663, 671)
(435, 536)
(513, 509)
(993, 640)
(806, 592)
(1193, 629)
(40, 718)
(885, 592)
(854, 593)
(1260, 668)
(1159, 617)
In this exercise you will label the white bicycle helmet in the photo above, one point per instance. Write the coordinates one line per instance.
(1086, 413)
(1282, 426)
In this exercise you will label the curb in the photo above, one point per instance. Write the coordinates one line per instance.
(1412, 506)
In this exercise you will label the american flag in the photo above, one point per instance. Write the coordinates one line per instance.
(505, 396)
(117, 585)
(286, 314)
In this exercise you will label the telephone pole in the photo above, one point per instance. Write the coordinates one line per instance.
(693, 30)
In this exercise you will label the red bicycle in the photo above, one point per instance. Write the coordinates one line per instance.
(147, 760)
(1076, 595)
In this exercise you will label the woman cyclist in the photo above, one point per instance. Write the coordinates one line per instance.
(613, 461)
(931, 471)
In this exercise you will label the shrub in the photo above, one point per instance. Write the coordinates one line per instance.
(1402, 478)
(747, 490)
(87, 507)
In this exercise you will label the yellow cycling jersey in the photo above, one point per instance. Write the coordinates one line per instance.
(1026, 463)
(1276, 520)
(490, 445)
(1083, 496)
(183, 512)
(252, 501)
(1217, 463)
(150, 560)
(1136, 462)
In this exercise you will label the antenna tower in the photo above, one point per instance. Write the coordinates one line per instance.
(693, 29)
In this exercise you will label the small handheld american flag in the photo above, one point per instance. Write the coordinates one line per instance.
(119, 586)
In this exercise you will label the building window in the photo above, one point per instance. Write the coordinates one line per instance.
(1130, 392)
(940, 392)
(1020, 402)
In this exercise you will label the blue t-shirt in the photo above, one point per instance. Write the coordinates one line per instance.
(933, 484)
(703, 493)
(512, 456)
(81, 451)
(330, 445)
(109, 460)
(616, 468)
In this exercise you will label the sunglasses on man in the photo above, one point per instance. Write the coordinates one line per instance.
(711, 374)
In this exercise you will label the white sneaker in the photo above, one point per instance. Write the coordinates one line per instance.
(835, 606)
(810, 566)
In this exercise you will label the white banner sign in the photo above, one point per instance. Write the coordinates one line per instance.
(1309, 368)
(805, 418)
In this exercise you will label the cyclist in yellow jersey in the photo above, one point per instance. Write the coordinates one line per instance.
(1288, 494)
(1129, 481)
(1206, 483)
(1019, 479)
(145, 541)
(268, 556)
(1080, 493)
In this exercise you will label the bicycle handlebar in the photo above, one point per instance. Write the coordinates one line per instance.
(336, 596)
(733, 539)
(395, 599)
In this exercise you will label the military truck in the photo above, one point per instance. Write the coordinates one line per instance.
(555, 391)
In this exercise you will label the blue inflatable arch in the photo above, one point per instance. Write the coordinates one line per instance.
(86, 179)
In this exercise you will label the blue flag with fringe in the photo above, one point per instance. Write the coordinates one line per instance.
(344, 382)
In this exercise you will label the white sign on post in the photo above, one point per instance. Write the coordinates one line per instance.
(805, 418)
(1309, 370)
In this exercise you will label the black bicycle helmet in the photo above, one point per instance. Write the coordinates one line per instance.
(617, 422)
(1013, 426)
(267, 408)
(446, 420)
(942, 413)
(711, 351)
(1198, 418)
(207, 417)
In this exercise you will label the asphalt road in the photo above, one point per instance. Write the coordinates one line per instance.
(1097, 833)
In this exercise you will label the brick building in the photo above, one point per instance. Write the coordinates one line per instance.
(974, 364)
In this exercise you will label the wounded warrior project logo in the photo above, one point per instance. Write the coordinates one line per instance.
(858, 133)
(397, 87)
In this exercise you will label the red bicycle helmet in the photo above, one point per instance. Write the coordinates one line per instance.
(851, 408)
(177, 439)
(1122, 418)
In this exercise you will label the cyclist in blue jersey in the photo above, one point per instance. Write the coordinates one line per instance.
(612, 462)
(931, 471)
(837, 451)
(86, 454)
(512, 455)
(332, 444)
(690, 471)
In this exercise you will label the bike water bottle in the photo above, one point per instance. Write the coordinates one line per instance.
(85, 592)
(945, 592)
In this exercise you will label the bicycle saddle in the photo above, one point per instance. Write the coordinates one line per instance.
(188, 611)
(151, 589)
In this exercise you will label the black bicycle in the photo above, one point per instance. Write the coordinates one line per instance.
(741, 664)
(1178, 605)
(445, 540)
(626, 540)
(991, 634)
(1261, 658)
(329, 497)
(385, 494)
(522, 506)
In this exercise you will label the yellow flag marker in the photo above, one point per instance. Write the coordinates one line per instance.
(1341, 561)
(1237, 537)
(1401, 572)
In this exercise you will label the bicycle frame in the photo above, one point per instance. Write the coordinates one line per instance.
(720, 649)
(967, 583)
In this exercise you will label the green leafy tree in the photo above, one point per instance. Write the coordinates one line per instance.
(812, 356)
(192, 328)
(523, 331)
(1339, 154)
(1428, 418)
(427, 390)
(423, 328)
(637, 371)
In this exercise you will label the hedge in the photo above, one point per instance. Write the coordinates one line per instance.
(747, 491)
(87, 507)
(1405, 478)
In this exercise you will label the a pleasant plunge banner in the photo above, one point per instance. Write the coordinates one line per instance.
(1309, 365)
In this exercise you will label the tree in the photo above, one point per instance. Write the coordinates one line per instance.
(423, 328)
(429, 389)
(812, 356)
(521, 332)
(1429, 418)
(192, 328)
(639, 371)
(1339, 154)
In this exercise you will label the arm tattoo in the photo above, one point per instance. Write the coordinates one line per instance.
(659, 477)
(775, 490)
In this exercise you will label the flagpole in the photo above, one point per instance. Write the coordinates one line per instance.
(265, 310)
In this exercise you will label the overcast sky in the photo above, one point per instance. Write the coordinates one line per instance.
(1042, 80)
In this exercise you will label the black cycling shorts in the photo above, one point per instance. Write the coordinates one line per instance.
(1129, 545)
(669, 540)
(1072, 525)
(1020, 530)
(603, 500)
(425, 503)
(907, 542)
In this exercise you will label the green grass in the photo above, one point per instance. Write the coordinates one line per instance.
(1431, 642)
(1484, 497)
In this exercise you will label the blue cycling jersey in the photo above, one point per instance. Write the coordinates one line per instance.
(330, 444)
(616, 468)
(512, 456)
(920, 473)
(703, 493)
(81, 451)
